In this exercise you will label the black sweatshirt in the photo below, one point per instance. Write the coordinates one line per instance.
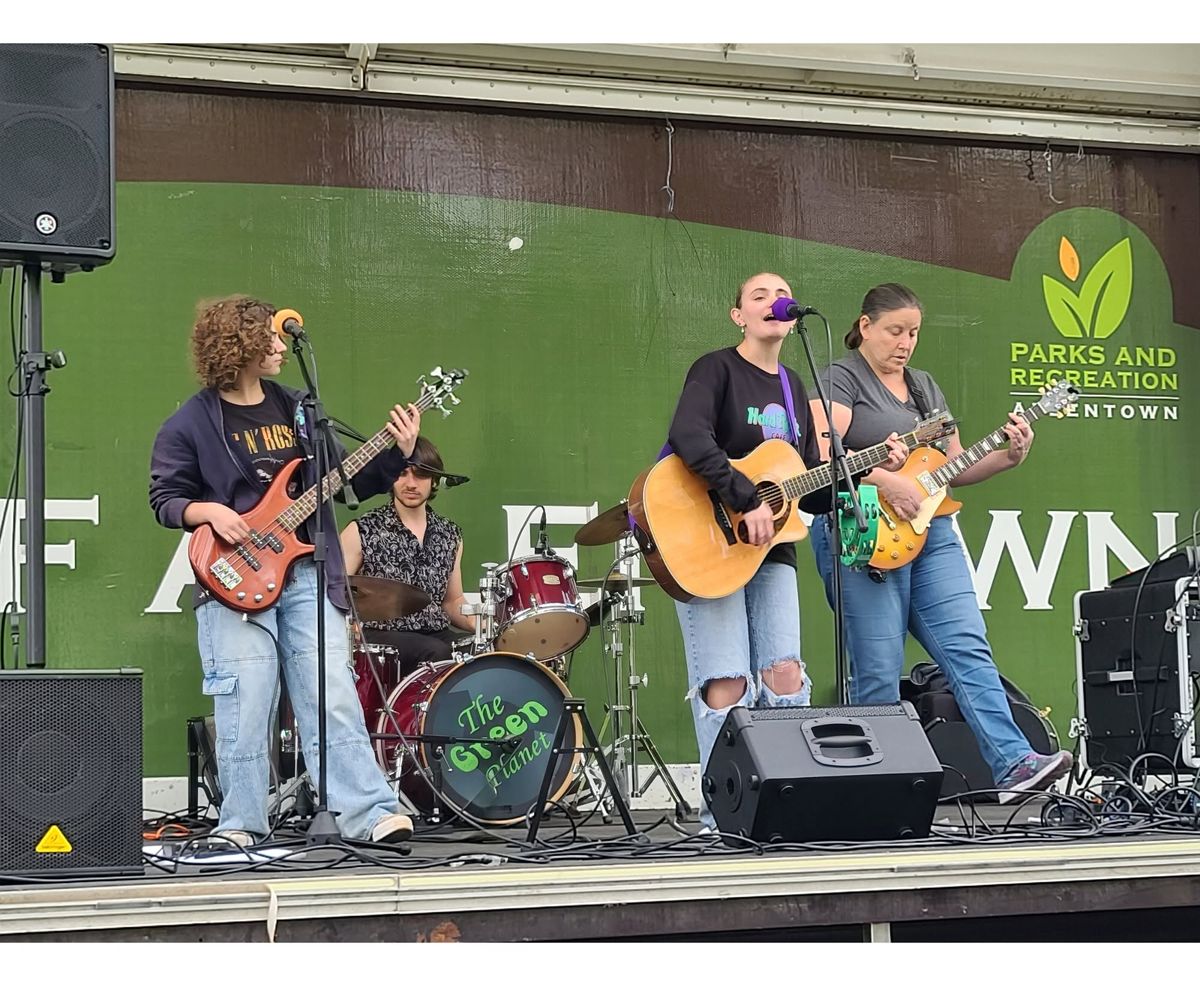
(728, 408)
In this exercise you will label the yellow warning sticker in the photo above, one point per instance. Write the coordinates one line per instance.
(54, 841)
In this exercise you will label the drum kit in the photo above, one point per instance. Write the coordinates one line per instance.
(473, 734)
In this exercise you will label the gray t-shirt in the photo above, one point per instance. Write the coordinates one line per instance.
(877, 412)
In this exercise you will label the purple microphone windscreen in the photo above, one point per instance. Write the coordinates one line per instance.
(779, 310)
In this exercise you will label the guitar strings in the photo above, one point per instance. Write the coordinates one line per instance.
(237, 559)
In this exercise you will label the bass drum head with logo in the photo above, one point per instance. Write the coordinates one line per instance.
(498, 696)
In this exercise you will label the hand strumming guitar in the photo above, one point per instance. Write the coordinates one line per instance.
(225, 522)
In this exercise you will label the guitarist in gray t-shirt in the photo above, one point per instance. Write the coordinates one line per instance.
(927, 592)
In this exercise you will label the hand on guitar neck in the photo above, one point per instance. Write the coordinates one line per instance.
(404, 424)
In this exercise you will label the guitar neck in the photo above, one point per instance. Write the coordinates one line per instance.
(858, 462)
(945, 475)
(303, 506)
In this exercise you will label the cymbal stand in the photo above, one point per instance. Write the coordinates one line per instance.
(631, 736)
(485, 610)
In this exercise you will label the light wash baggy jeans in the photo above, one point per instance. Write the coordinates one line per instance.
(241, 668)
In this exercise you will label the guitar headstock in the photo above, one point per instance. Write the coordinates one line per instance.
(938, 425)
(1055, 400)
(437, 386)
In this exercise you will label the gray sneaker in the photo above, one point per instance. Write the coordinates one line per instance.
(1033, 772)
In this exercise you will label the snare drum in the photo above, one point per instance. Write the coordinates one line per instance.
(502, 711)
(539, 612)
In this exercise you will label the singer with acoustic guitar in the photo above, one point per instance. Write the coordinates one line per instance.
(874, 391)
(744, 648)
(213, 461)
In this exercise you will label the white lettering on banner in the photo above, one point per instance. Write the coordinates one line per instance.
(178, 576)
(1005, 532)
(13, 512)
(1036, 578)
(1037, 581)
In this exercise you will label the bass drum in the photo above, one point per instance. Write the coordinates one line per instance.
(501, 712)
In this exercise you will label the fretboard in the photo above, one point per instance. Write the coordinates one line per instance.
(859, 462)
(304, 505)
(945, 475)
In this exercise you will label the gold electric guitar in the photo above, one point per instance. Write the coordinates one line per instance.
(898, 542)
(695, 544)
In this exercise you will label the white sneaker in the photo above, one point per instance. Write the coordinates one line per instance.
(239, 837)
(396, 827)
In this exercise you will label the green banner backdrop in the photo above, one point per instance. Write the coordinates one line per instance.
(577, 325)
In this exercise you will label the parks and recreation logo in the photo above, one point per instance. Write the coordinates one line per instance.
(1116, 378)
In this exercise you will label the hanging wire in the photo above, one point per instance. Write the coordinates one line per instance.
(1050, 175)
(670, 161)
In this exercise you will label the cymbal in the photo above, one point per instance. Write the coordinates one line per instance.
(380, 600)
(605, 528)
(614, 583)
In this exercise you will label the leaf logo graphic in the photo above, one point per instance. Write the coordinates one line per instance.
(1100, 307)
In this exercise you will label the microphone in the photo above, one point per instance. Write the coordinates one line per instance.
(788, 310)
(542, 547)
(288, 322)
(446, 479)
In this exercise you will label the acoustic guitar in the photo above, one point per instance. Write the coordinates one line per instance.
(695, 544)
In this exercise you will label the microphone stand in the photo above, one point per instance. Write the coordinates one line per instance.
(839, 472)
(322, 830)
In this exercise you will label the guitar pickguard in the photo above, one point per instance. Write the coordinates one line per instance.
(924, 518)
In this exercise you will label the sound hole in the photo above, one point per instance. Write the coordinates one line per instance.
(772, 493)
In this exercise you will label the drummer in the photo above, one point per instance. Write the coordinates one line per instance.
(409, 541)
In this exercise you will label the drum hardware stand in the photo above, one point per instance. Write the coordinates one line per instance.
(572, 708)
(635, 736)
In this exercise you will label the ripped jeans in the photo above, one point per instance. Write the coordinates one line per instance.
(741, 636)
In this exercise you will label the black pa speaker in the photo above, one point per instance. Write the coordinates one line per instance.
(844, 774)
(71, 772)
(56, 155)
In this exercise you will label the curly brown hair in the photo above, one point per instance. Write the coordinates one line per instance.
(229, 335)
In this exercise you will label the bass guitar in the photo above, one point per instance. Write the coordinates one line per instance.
(249, 577)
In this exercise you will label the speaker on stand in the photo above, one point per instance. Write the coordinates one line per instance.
(56, 213)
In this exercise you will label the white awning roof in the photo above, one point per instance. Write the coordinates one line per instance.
(1096, 95)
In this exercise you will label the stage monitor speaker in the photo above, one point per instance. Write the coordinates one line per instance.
(843, 774)
(71, 772)
(57, 166)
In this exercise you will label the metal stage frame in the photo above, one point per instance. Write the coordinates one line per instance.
(868, 892)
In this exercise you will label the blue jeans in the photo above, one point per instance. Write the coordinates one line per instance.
(241, 673)
(741, 636)
(934, 599)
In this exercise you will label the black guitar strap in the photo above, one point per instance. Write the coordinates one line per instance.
(917, 394)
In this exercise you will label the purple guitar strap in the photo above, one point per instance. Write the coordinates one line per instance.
(791, 410)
